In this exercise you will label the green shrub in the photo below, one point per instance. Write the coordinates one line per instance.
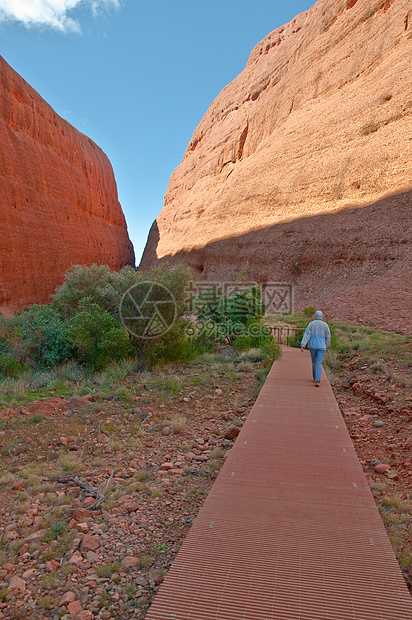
(270, 349)
(231, 311)
(97, 337)
(174, 346)
(41, 336)
(81, 282)
(9, 366)
(310, 311)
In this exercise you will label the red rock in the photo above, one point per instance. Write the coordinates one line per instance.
(29, 573)
(37, 522)
(76, 558)
(408, 442)
(381, 468)
(232, 432)
(18, 485)
(89, 501)
(166, 466)
(67, 598)
(89, 543)
(261, 174)
(74, 608)
(51, 565)
(10, 568)
(131, 506)
(59, 198)
(80, 513)
(36, 536)
(130, 562)
(82, 527)
(85, 615)
(16, 583)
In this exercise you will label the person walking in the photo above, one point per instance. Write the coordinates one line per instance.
(317, 334)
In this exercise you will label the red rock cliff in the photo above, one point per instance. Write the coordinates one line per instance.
(301, 168)
(58, 198)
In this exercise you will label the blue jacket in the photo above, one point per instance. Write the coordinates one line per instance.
(317, 334)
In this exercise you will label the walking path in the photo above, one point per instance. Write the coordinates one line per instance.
(290, 530)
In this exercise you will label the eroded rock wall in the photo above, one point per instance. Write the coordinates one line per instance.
(58, 198)
(319, 122)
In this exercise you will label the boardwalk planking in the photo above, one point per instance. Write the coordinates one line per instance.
(290, 529)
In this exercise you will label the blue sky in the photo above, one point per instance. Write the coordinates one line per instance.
(136, 76)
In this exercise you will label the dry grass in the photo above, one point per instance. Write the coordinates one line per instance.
(178, 424)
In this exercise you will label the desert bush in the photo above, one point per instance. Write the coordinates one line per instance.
(235, 320)
(309, 311)
(173, 346)
(82, 327)
(231, 312)
(40, 337)
(10, 366)
(81, 283)
(97, 337)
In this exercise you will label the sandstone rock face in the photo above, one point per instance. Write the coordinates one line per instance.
(300, 171)
(58, 199)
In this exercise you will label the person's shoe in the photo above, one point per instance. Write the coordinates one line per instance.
(316, 383)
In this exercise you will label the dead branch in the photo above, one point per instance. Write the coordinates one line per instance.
(100, 496)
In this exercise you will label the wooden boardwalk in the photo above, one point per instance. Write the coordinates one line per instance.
(290, 529)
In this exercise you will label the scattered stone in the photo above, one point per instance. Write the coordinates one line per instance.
(16, 583)
(166, 466)
(18, 485)
(378, 423)
(51, 565)
(35, 537)
(130, 562)
(80, 513)
(232, 432)
(408, 442)
(76, 558)
(89, 543)
(382, 468)
(74, 608)
(89, 501)
(67, 598)
(131, 506)
(84, 615)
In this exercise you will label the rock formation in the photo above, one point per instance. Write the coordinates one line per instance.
(300, 171)
(58, 199)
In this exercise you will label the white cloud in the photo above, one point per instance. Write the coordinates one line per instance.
(52, 13)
